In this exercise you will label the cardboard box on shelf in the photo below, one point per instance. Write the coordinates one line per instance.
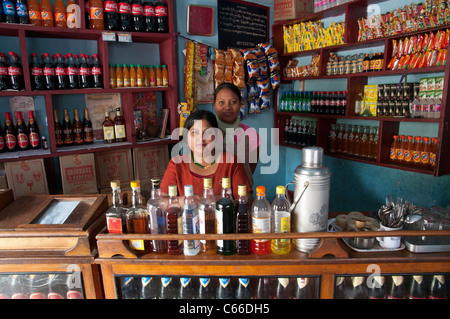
(150, 161)
(114, 165)
(291, 9)
(78, 174)
(27, 177)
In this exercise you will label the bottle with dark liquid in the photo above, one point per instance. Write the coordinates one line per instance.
(283, 289)
(77, 127)
(303, 289)
(96, 70)
(73, 72)
(438, 289)
(340, 288)
(187, 288)
(225, 218)
(417, 288)
(67, 129)
(137, 219)
(263, 289)
(57, 287)
(61, 73)
(358, 288)
(88, 133)
(206, 289)
(157, 219)
(119, 127)
(33, 131)
(376, 289)
(173, 221)
(168, 288)
(206, 213)
(108, 130)
(225, 289)
(10, 134)
(38, 286)
(149, 288)
(397, 289)
(58, 130)
(242, 221)
(49, 73)
(22, 133)
(115, 215)
(2, 140)
(130, 288)
(37, 74)
(244, 289)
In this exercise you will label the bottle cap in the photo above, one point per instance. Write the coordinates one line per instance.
(417, 138)
(135, 184)
(115, 183)
(173, 190)
(226, 182)
(280, 190)
(242, 190)
(260, 191)
(156, 182)
(188, 190)
(207, 182)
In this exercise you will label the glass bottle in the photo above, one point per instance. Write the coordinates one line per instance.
(10, 134)
(261, 223)
(340, 288)
(263, 289)
(187, 289)
(168, 288)
(88, 133)
(225, 289)
(115, 215)
(206, 215)
(417, 288)
(206, 289)
(244, 289)
(67, 129)
(77, 128)
(189, 216)
(283, 289)
(157, 219)
(438, 289)
(281, 221)
(119, 127)
(376, 288)
(397, 289)
(22, 133)
(108, 129)
(225, 218)
(58, 130)
(149, 288)
(174, 223)
(33, 131)
(303, 289)
(243, 225)
(137, 219)
(358, 288)
(332, 139)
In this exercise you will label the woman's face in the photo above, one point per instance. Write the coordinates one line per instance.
(227, 106)
(198, 140)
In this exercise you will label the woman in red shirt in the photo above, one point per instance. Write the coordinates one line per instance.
(204, 160)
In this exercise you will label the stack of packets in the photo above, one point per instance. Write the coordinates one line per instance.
(412, 18)
(311, 35)
(196, 60)
(294, 71)
(419, 51)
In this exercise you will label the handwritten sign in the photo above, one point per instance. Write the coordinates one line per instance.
(242, 24)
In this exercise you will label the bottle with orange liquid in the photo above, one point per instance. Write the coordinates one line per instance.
(261, 223)
(433, 150)
(165, 76)
(96, 15)
(46, 13)
(119, 76)
(139, 76)
(152, 75)
(425, 152)
(409, 148)
(112, 77)
(393, 153)
(71, 16)
(60, 14)
(400, 149)
(417, 150)
(126, 76)
(146, 78)
(34, 12)
(133, 76)
(158, 75)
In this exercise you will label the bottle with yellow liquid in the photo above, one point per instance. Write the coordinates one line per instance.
(281, 221)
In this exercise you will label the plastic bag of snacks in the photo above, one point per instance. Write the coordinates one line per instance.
(238, 78)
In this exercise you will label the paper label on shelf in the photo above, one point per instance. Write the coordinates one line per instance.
(124, 37)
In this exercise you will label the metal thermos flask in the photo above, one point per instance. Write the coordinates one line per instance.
(309, 209)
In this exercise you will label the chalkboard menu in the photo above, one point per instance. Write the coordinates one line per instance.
(241, 24)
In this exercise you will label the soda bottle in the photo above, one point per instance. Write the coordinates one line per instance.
(58, 130)
(126, 20)
(158, 75)
(168, 288)
(111, 15)
(57, 287)
(161, 17)
(22, 133)
(10, 134)
(438, 289)
(187, 288)
(152, 75)
(397, 290)
(74, 287)
(72, 72)
(67, 129)
(96, 15)
(115, 215)
(15, 72)
(84, 72)
(225, 289)
(77, 128)
(96, 71)
(37, 74)
(119, 76)
(5, 292)
(281, 221)
(46, 14)
(173, 221)
(399, 150)
(157, 221)
(409, 149)
(164, 76)
(22, 11)
(225, 218)
(126, 76)
(244, 289)
(433, 150)
(38, 286)
(243, 225)
(137, 219)
(263, 289)
(61, 73)
(16, 287)
(417, 288)
(9, 10)
(71, 16)
(4, 78)
(133, 79)
(49, 73)
(112, 77)
(139, 76)
(283, 289)
(425, 152)
(150, 16)
(60, 14)
(137, 12)
(358, 288)
(376, 288)
(149, 288)
(33, 131)
(417, 150)
(261, 224)
(88, 135)
(206, 289)
(303, 289)
(87, 14)
(89, 66)
(206, 215)
(190, 222)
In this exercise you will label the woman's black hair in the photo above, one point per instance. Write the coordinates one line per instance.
(200, 115)
(230, 86)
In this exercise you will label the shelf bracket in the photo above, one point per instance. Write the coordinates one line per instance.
(329, 247)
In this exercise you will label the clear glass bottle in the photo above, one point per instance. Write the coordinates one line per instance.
(281, 221)
(137, 219)
(243, 225)
(174, 221)
(206, 215)
(157, 220)
(189, 216)
(115, 215)
(225, 218)
(261, 223)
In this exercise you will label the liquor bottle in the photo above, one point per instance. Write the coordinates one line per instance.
(57, 287)
(187, 289)
(168, 288)
(340, 288)
(376, 289)
(130, 288)
(38, 287)
(438, 289)
(33, 131)
(77, 127)
(137, 219)
(417, 288)
(2, 140)
(115, 215)
(157, 220)
(173, 222)
(244, 289)
(225, 218)
(263, 289)
(73, 73)
(358, 288)
(281, 221)
(58, 130)
(96, 70)
(22, 133)
(15, 72)
(242, 220)
(61, 73)
(261, 223)
(119, 127)
(303, 289)
(37, 73)
(206, 289)
(10, 134)
(88, 133)
(283, 289)
(108, 129)
(49, 73)
(206, 214)
(67, 129)
(149, 288)
(189, 215)
(224, 289)
(397, 289)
